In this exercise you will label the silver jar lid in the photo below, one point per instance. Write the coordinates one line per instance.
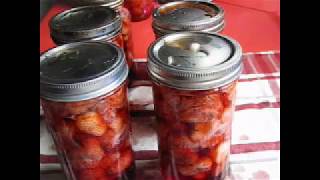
(80, 71)
(166, 1)
(188, 16)
(109, 3)
(85, 23)
(194, 60)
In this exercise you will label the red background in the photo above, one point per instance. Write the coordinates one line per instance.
(254, 23)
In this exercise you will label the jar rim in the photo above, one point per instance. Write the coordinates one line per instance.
(81, 70)
(188, 16)
(188, 71)
(74, 27)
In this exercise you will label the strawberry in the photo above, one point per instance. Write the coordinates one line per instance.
(66, 131)
(76, 108)
(231, 90)
(187, 170)
(182, 141)
(126, 159)
(217, 169)
(101, 106)
(163, 132)
(54, 110)
(116, 124)
(91, 123)
(87, 156)
(91, 174)
(109, 160)
(93, 148)
(203, 131)
(200, 176)
(108, 178)
(166, 104)
(110, 139)
(228, 95)
(227, 115)
(221, 152)
(115, 119)
(180, 156)
(213, 141)
(141, 9)
(167, 177)
(126, 142)
(118, 98)
(204, 113)
(202, 165)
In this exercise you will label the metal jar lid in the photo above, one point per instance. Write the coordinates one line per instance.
(166, 1)
(194, 60)
(109, 3)
(188, 16)
(85, 23)
(80, 71)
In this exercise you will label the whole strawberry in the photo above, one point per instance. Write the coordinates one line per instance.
(88, 155)
(91, 123)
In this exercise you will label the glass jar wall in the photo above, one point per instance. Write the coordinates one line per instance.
(83, 91)
(194, 77)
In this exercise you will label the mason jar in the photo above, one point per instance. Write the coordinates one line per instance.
(83, 92)
(194, 77)
(91, 23)
(117, 5)
(140, 9)
(167, 1)
(188, 16)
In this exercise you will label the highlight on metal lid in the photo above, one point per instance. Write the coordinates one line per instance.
(194, 60)
(85, 23)
(81, 70)
(188, 16)
(166, 1)
(109, 3)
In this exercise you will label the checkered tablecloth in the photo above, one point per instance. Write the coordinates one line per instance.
(256, 125)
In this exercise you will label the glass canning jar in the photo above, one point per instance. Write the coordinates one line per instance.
(167, 1)
(194, 78)
(188, 16)
(118, 5)
(83, 92)
(89, 23)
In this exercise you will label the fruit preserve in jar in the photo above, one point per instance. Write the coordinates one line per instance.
(118, 5)
(187, 16)
(140, 9)
(90, 23)
(126, 32)
(83, 91)
(194, 77)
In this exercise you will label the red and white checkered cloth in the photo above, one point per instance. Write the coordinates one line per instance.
(256, 125)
